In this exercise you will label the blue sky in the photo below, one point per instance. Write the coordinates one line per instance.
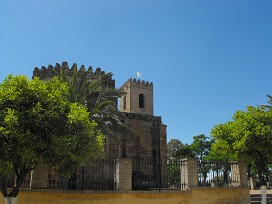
(206, 58)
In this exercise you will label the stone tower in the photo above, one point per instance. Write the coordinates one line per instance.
(138, 97)
(150, 132)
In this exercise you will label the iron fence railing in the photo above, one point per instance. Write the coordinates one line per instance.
(218, 174)
(97, 174)
(256, 179)
(156, 175)
(10, 182)
(147, 174)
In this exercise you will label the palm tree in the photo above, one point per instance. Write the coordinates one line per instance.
(269, 101)
(269, 105)
(101, 101)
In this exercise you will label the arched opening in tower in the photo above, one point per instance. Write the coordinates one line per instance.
(141, 101)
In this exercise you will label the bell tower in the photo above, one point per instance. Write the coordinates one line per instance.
(138, 97)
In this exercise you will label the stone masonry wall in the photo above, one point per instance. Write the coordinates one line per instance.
(150, 136)
(133, 89)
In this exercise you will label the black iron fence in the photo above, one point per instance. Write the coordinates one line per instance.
(256, 179)
(100, 174)
(10, 181)
(156, 175)
(218, 174)
(95, 175)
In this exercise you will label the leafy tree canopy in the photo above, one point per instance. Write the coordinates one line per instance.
(247, 137)
(37, 122)
(201, 147)
(173, 146)
(185, 152)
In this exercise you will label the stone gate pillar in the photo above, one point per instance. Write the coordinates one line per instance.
(243, 178)
(188, 173)
(39, 176)
(123, 174)
(239, 174)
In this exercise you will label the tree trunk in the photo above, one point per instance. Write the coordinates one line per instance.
(11, 197)
(11, 200)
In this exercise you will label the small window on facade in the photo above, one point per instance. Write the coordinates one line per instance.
(141, 101)
(124, 102)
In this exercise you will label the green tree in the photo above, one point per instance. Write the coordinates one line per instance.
(176, 150)
(173, 146)
(201, 146)
(247, 137)
(200, 149)
(185, 151)
(38, 123)
(269, 105)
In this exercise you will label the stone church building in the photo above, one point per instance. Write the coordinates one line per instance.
(138, 106)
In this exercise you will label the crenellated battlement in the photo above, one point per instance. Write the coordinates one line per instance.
(138, 83)
(49, 72)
